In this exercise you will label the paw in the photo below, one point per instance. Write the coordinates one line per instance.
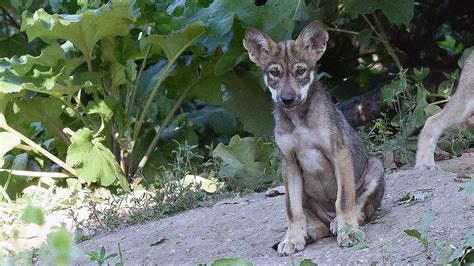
(427, 167)
(349, 236)
(293, 242)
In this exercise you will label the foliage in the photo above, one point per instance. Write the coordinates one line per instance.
(247, 163)
(100, 257)
(426, 221)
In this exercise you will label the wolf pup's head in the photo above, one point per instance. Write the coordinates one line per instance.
(289, 66)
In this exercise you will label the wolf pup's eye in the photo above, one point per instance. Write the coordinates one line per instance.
(300, 71)
(275, 72)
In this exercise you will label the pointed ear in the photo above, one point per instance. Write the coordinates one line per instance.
(259, 45)
(313, 40)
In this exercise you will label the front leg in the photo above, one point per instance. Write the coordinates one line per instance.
(295, 238)
(346, 218)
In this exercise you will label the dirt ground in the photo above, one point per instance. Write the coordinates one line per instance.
(249, 226)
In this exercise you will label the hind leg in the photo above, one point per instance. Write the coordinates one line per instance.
(374, 187)
(315, 228)
(451, 115)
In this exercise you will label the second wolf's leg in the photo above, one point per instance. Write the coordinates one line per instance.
(371, 194)
(295, 238)
(452, 114)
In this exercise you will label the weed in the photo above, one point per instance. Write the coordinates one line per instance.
(423, 237)
(100, 257)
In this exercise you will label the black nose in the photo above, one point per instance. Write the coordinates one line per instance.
(288, 98)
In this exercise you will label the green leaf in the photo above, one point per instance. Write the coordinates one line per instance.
(469, 188)
(364, 36)
(232, 262)
(93, 161)
(246, 162)
(48, 73)
(432, 109)
(60, 246)
(390, 91)
(245, 98)
(49, 57)
(84, 30)
(361, 245)
(101, 108)
(8, 142)
(398, 12)
(427, 220)
(235, 54)
(277, 17)
(46, 110)
(419, 113)
(175, 43)
(33, 214)
(420, 73)
(413, 233)
(307, 262)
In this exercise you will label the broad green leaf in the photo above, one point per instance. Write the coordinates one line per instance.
(413, 233)
(46, 110)
(175, 43)
(245, 98)
(49, 57)
(33, 214)
(277, 17)
(49, 73)
(234, 55)
(8, 141)
(232, 262)
(93, 161)
(246, 162)
(20, 162)
(398, 12)
(83, 30)
(214, 118)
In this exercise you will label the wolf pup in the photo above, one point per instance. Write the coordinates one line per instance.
(331, 183)
(459, 110)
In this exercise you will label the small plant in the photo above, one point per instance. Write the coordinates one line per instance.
(101, 256)
(423, 237)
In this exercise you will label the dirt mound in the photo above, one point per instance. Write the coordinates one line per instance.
(249, 226)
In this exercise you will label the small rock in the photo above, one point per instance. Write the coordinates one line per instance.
(273, 192)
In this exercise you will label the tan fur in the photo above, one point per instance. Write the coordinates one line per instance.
(329, 179)
(458, 111)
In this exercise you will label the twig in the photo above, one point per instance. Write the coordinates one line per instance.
(38, 148)
(10, 18)
(165, 123)
(383, 38)
(352, 33)
(133, 92)
(36, 174)
(149, 101)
